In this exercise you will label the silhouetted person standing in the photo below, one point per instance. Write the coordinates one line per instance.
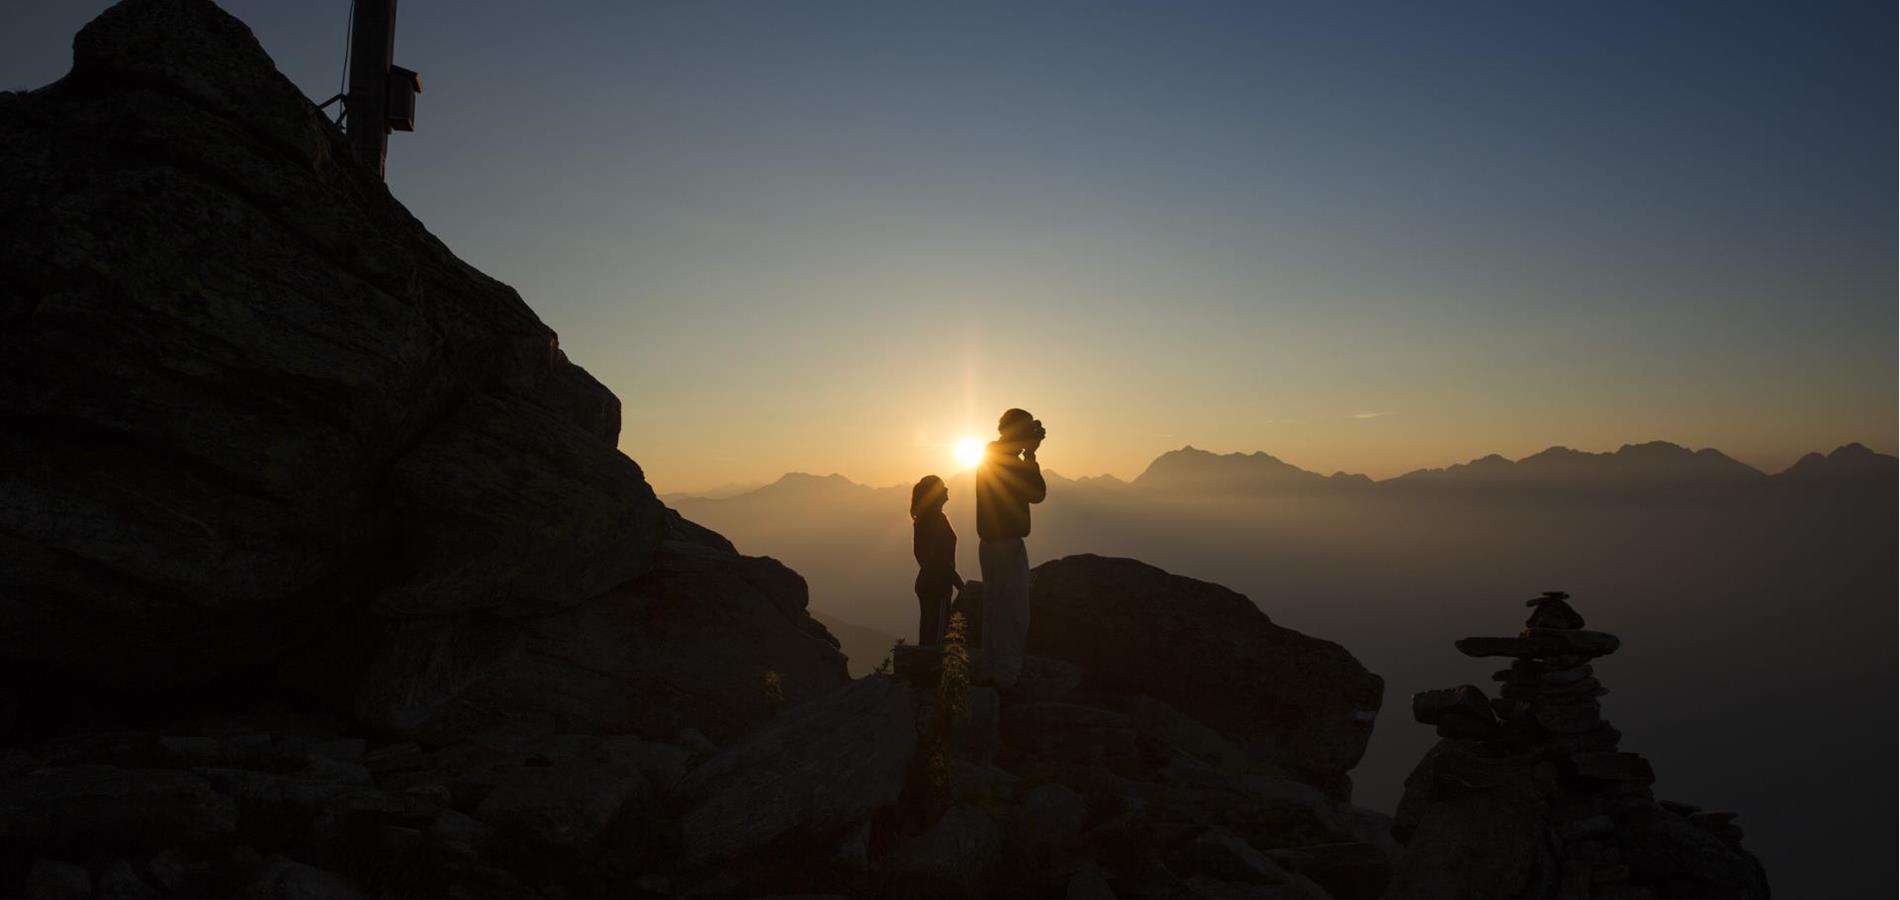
(934, 543)
(1007, 481)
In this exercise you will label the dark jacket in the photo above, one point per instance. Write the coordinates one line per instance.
(1005, 486)
(934, 544)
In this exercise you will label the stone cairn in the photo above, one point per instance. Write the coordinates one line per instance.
(1547, 712)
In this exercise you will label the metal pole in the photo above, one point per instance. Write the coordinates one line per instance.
(372, 50)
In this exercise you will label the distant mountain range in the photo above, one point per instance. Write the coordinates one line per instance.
(1656, 468)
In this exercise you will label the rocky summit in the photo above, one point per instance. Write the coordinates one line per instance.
(323, 576)
(262, 428)
(1528, 796)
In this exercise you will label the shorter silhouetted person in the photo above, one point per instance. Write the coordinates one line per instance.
(935, 545)
(1008, 480)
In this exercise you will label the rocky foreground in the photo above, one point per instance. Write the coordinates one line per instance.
(322, 576)
(1064, 785)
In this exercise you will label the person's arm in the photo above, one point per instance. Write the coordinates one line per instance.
(1029, 475)
(950, 554)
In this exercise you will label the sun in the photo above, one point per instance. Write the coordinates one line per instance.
(969, 452)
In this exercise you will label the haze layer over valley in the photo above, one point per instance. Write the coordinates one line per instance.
(1756, 609)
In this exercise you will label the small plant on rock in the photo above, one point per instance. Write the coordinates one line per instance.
(884, 668)
(929, 788)
(774, 691)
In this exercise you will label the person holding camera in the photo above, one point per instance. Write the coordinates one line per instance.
(1007, 481)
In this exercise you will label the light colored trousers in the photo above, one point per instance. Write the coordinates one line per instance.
(1006, 610)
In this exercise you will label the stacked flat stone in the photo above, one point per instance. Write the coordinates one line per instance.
(1548, 710)
(1604, 833)
(1549, 694)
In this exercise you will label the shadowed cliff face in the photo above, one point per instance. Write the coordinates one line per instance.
(257, 417)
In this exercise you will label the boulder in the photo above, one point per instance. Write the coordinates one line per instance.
(1069, 735)
(1088, 883)
(563, 805)
(977, 735)
(1682, 861)
(502, 506)
(280, 878)
(958, 857)
(1182, 737)
(50, 879)
(1201, 887)
(1221, 854)
(248, 402)
(1350, 870)
(1046, 825)
(979, 784)
(1446, 819)
(816, 770)
(110, 807)
(1303, 704)
(1045, 678)
(120, 881)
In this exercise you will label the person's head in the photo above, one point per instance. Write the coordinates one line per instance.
(1016, 424)
(928, 496)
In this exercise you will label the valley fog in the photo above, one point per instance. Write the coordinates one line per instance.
(1756, 625)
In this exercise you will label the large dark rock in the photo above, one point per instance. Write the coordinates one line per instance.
(1473, 825)
(816, 771)
(566, 804)
(255, 418)
(958, 857)
(1304, 705)
(108, 807)
(1679, 859)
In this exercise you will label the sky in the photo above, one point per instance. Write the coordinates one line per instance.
(840, 237)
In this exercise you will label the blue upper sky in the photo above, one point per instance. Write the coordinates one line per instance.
(838, 236)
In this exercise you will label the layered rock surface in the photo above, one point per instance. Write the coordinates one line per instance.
(260, 426)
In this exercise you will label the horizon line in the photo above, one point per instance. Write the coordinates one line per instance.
(740, 487)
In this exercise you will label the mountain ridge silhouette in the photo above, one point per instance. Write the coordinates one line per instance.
(1648, 464)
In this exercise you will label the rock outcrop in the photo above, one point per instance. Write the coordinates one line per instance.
(1528, 796)
(258, 426)
(1123, 767)
(1302, 703)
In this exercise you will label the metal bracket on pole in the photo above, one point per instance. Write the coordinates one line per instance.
(372, 52)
